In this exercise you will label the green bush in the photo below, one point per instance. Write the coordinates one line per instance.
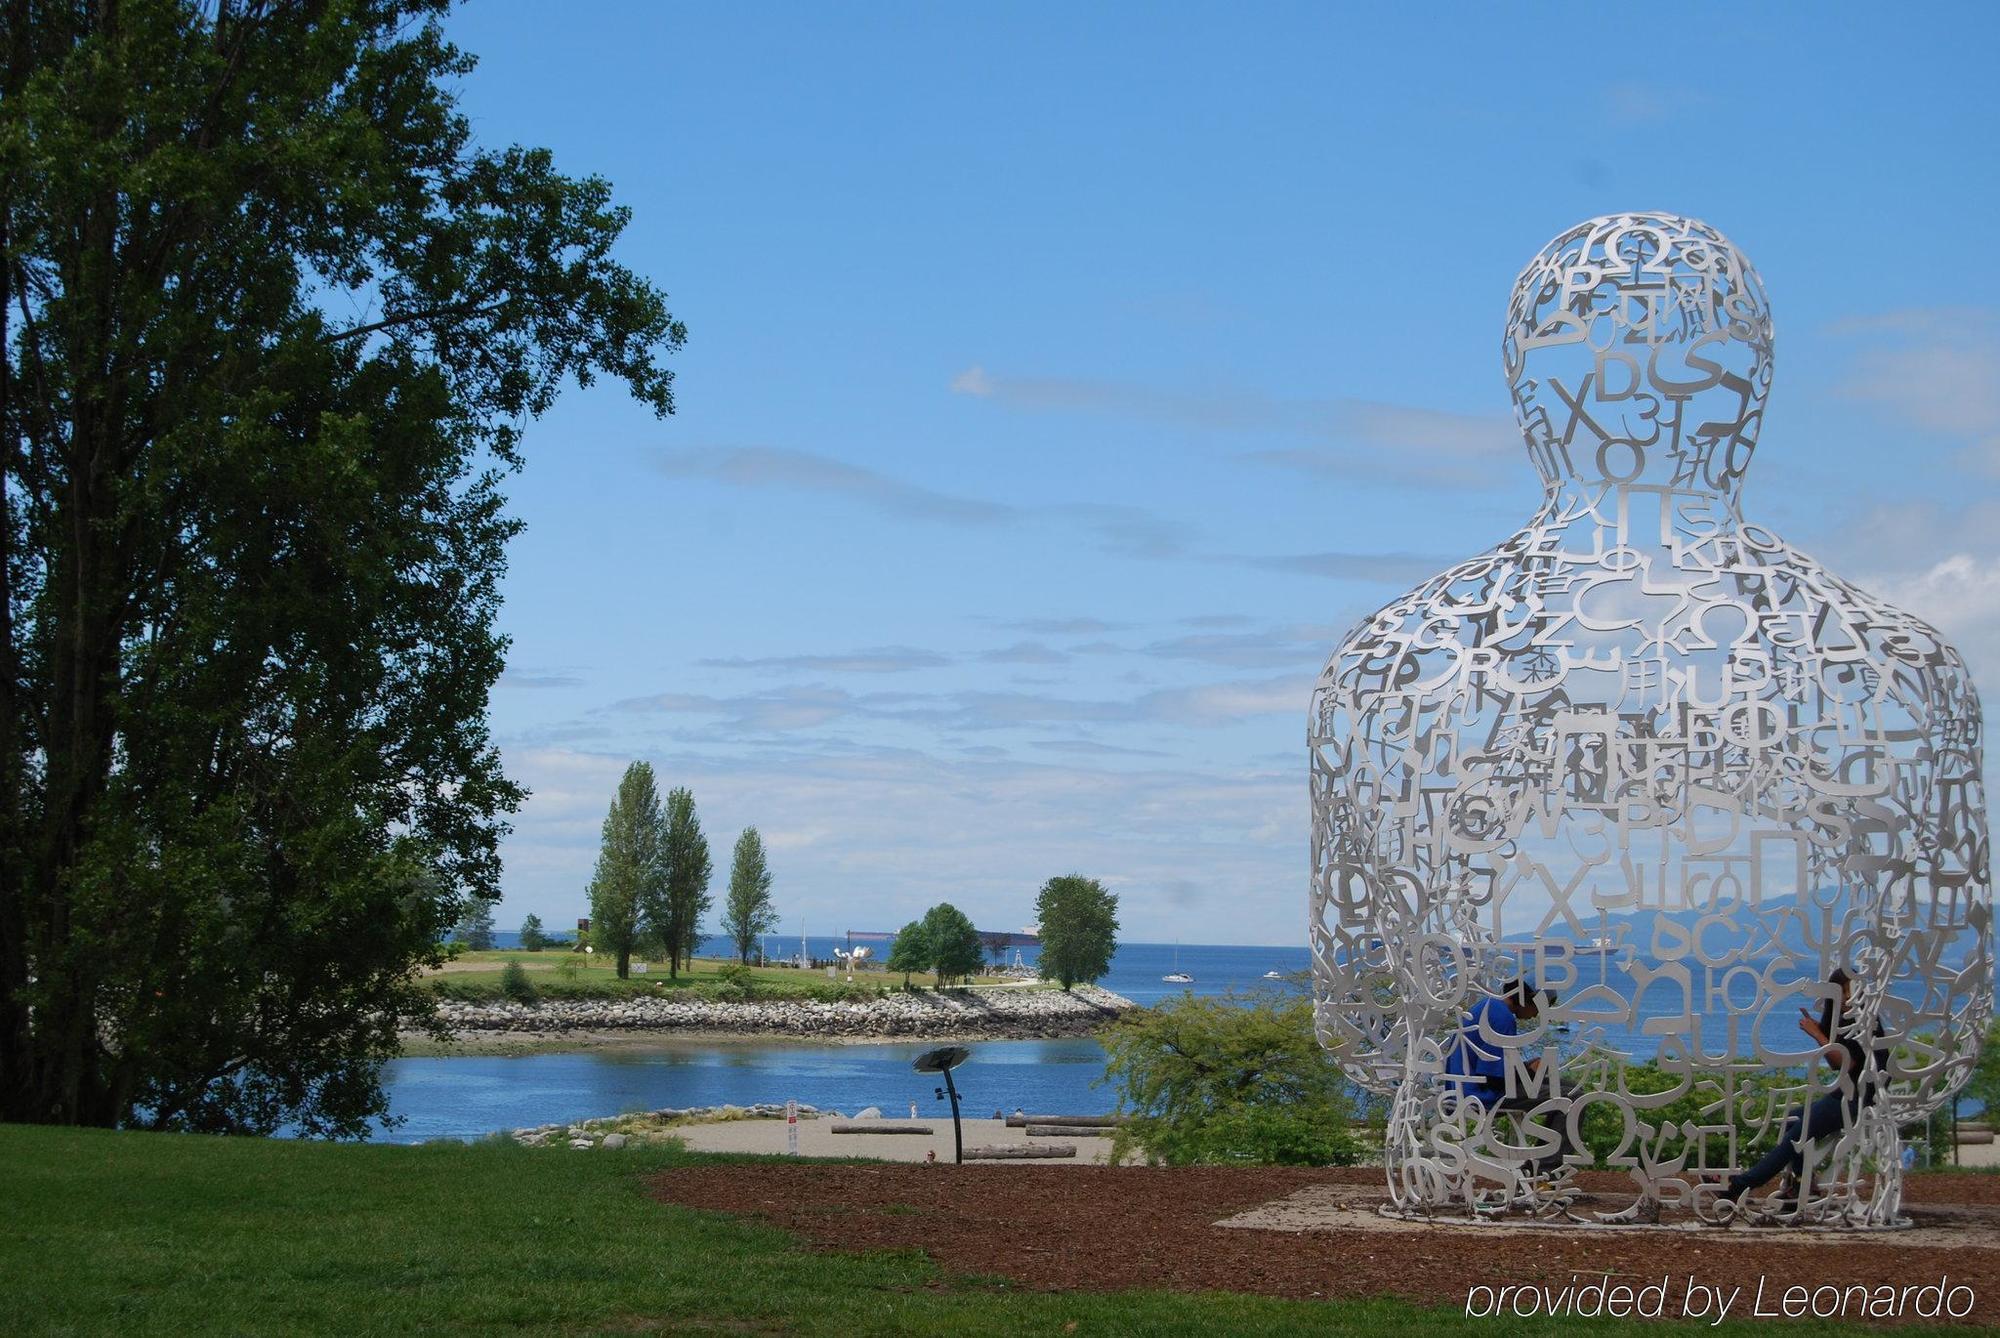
(1230, 1080)
(514, 983)
(738, 975)
(1702, 1105)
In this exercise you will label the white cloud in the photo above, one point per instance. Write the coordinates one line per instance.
(875, 660)
(1936, 368)
(972, 381)
(1352, 439)
(868, 843)
(1961, 597)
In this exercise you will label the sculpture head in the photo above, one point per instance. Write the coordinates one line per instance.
(1638, 348)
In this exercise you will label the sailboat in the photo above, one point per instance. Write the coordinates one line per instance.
(1177, 976)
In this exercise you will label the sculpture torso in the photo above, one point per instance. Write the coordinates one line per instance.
(1641, 702)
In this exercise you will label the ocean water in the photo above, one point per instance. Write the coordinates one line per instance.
(468, 1096)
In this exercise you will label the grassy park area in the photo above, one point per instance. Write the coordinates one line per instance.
(155, 1234)
(145, 1233)
(560, 973)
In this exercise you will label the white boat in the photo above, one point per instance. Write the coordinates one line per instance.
(1274, 975)
(1177, 976)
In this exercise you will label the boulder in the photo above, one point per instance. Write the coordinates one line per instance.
(615, 1140)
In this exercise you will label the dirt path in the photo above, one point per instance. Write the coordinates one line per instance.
(1104, 1228)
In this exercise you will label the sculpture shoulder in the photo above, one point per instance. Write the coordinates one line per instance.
(1456, 607)
(1815, 613)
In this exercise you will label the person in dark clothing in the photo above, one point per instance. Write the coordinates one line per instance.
(1477, 1063)
(1860, 1069)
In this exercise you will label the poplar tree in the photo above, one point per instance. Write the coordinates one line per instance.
(685, 882)
(630, 876)
(748, 911)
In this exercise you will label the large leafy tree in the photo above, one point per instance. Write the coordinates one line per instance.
(272, 325)
(631, 872)
(747, 911)
(685, 883)
(909, 953)
(533, 937)
(1079, 928)
(952, 943)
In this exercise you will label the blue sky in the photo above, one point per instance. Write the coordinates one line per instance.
(1062, 381)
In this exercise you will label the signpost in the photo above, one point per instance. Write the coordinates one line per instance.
(792, 1128)
(943, 1060)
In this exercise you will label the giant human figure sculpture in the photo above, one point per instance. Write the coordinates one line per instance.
(1669, 769)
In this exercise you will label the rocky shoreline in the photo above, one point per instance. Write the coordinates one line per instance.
(1004, 1013)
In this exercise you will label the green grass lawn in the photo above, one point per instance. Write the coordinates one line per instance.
(135, 1233)
(558, 973)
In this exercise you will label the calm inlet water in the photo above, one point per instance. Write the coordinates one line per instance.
(469, 1096)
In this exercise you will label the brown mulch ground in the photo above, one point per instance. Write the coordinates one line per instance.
(1108, 1228)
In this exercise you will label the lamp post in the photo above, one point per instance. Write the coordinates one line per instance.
(943, 1060)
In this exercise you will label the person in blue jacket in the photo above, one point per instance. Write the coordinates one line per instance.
(1477, 1062)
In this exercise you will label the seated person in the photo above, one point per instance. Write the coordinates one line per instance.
(1860, 1070)
(1477, 1062)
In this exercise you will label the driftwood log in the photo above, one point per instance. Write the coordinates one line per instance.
(1069, 1121)
(1070, 1131)
(1020, 1151)
(879, 1127)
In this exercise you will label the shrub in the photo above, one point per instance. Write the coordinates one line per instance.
(1702, 1106)
(739, 976)
(514, 983)
(1231, 1080)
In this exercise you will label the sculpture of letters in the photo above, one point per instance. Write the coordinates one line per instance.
(1649, 756)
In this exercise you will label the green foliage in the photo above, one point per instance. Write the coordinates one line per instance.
(739, 975)
(533, 938)
(1228, 1080)
(1079, 926)
(910, 952)
(748, 911)
(1701, 1105)
(475, 928)
(514, 983)
(951, 943)
(1984, 1085)
(273, 325)
(121, 1234)
(676, 918)
(630, 879)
